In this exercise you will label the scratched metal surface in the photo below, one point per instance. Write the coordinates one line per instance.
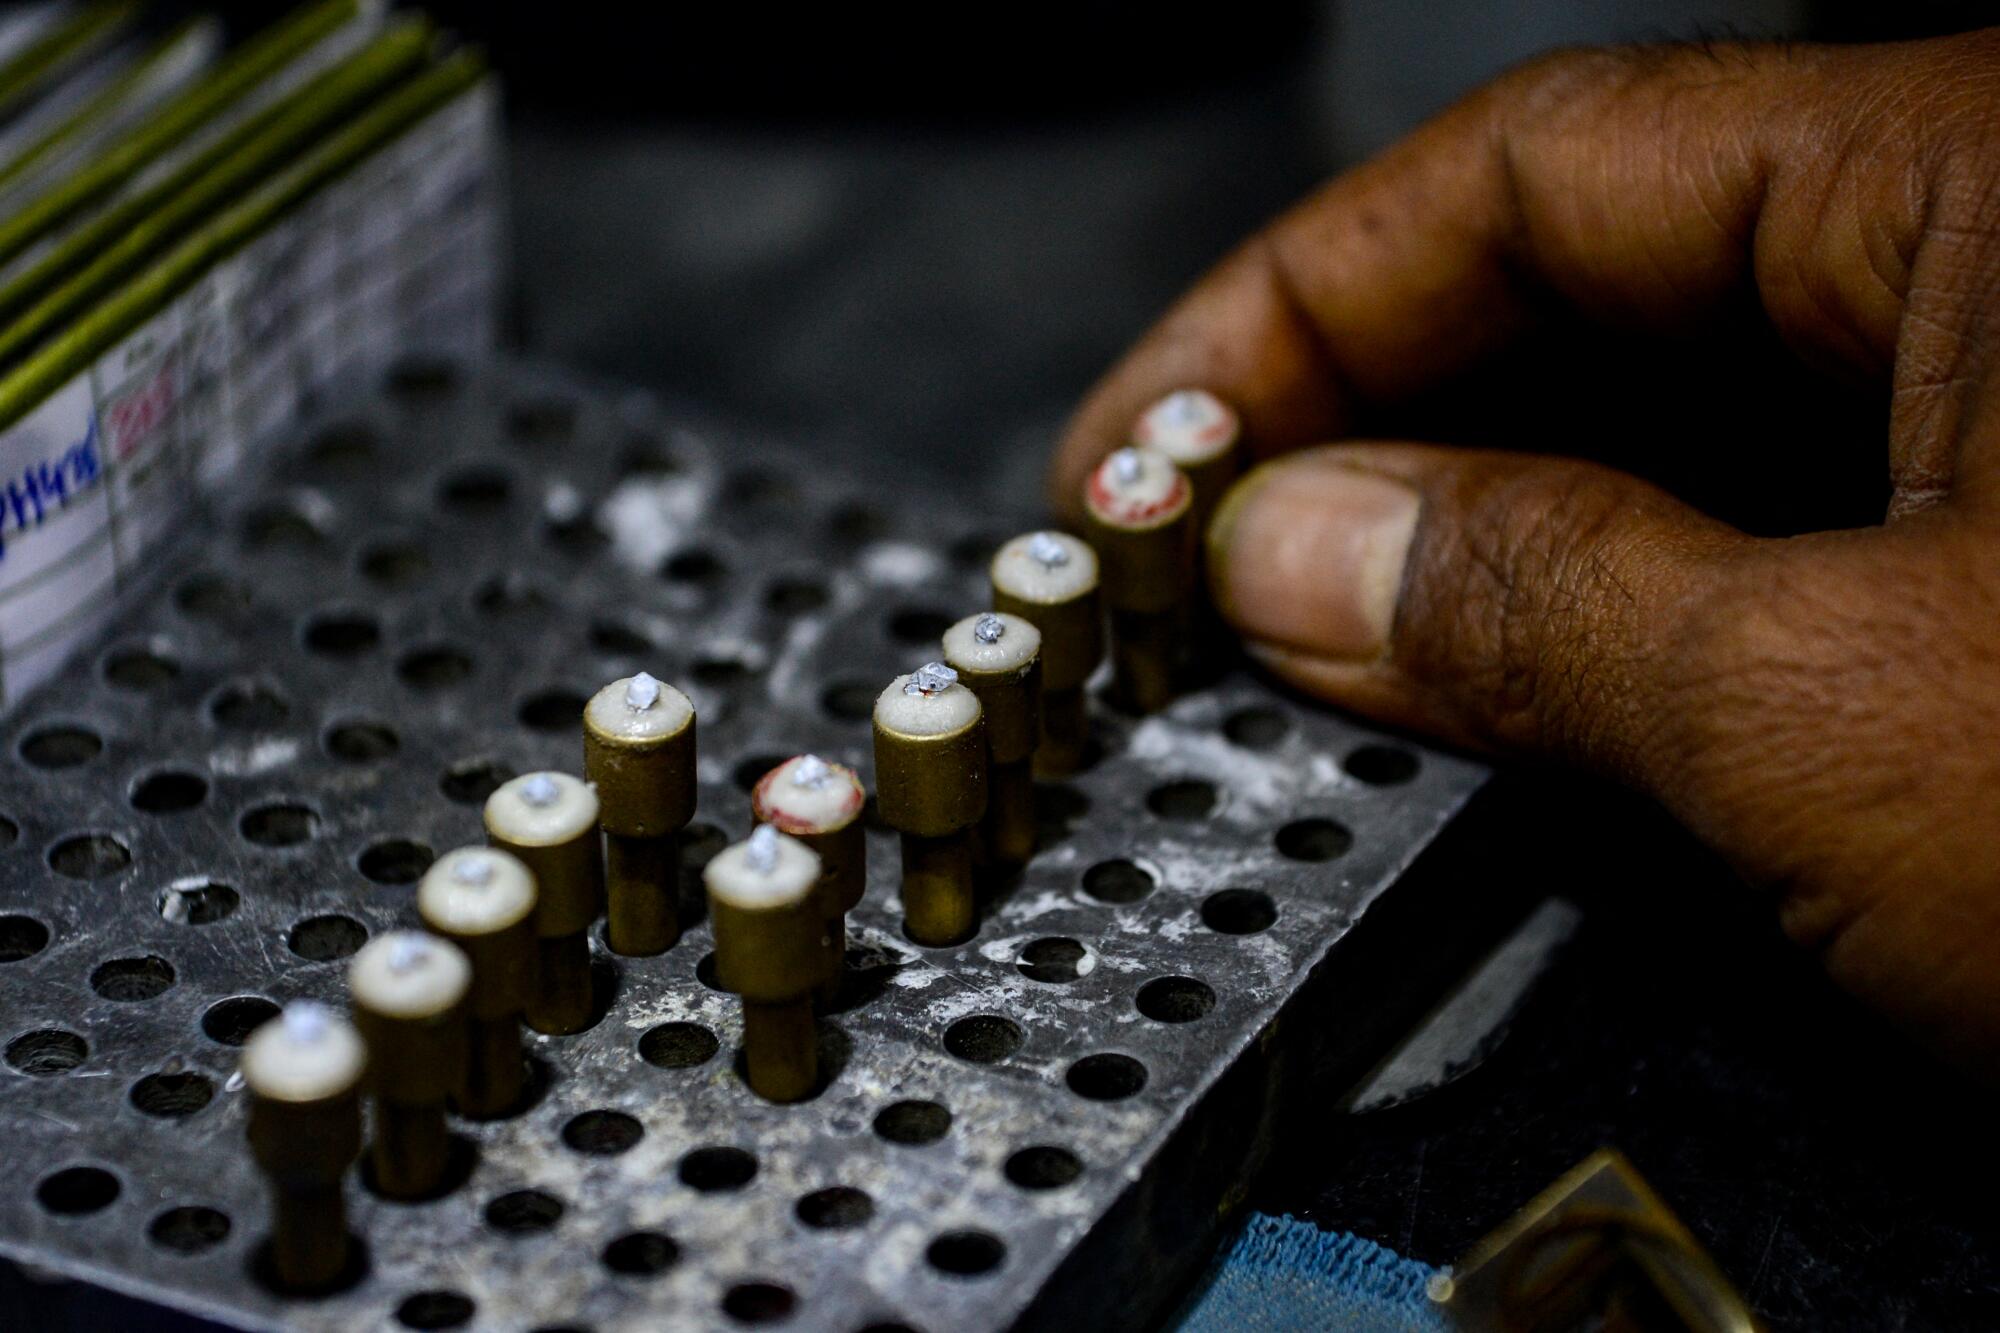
(332, 684)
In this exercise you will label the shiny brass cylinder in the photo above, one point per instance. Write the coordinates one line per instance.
(767, 918)
(1145, 651)
(549, 821)
(409, 1151)
(311, 1247)
(930, 786)
(1203, 436)
(780, 1049)
(409, 995)
(483, 900)
(939, 907)
(304, 1072)
(1009, 834)
(639, 754)
(1140, 524)
(998, 657)
(1208, 480)
(1065, 739)
(496, 1071)
(563, 999)
(642, 882)
(1050, 580)
(820, 804)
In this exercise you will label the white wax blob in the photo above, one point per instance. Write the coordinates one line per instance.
(1190, 426)
(475, 891)
(1019, 571)
(819, 806)
(921, 714)
(407, 974)
(613, 711)
(1134, 485)
(305, 1054)
(969, 650)
(734, 874)
(541, 809)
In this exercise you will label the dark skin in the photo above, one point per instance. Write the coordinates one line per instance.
(1823, 709)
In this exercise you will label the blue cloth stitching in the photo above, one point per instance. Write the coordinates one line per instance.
(1282, 1274)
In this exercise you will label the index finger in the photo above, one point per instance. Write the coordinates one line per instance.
(1641, 189)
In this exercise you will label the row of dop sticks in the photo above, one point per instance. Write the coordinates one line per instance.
(958, 742)
(437, 1014)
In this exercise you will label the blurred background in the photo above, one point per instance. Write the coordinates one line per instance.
(916, 233)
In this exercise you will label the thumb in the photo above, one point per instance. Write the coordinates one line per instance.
(1507, 602)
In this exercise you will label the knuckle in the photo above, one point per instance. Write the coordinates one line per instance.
(1825, 707)
(1535, 607)
(1579, 86)
(1558, 78)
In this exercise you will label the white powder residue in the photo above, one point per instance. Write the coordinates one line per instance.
(708, 1008)
(899, 564)
(787, 673)
(257, 757)
(177, 903)
(1248, 785)
(1268, 954)
(1002, 951)
(1024, 910)
(562, 503)
(647, 518)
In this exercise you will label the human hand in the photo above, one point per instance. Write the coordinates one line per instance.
(1824, 709)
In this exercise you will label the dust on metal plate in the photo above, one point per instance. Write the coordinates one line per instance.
(242, 784)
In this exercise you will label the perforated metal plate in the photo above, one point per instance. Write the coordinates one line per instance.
(241, 786)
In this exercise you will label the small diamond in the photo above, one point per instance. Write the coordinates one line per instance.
(408, 952)
(761, 852)
(540, 790)
(641, 692)
(930, 678)
(811, 771)
(474, 870)
(1127, 466)
(1047, 550)
(989, 628)
(306, 1022)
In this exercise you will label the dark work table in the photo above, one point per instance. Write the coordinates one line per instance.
(1840, 1177)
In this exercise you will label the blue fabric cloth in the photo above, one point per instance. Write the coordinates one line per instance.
(1283, 1274)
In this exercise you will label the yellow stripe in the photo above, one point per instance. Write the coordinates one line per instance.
(73, 352)
(105, 101)
(134, 231)
(50, 57)
(235, 76)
